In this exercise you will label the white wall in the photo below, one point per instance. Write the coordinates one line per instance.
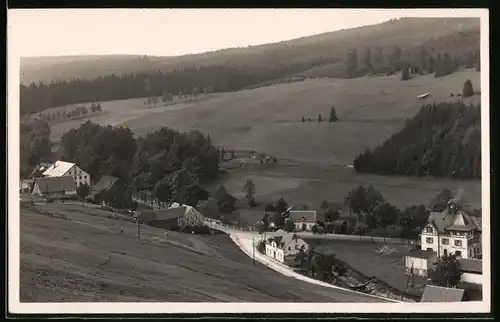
(275, 253)
(298, 225)
(472, 278)
(79, 175)
(441, 247)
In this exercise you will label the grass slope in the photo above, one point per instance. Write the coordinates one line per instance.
(268, 119)
(85, 259)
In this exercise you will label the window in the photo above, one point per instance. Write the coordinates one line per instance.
(289, 247)
(428, 230)
(445, 241)
(470, 252)
(429, 240)
(445, 252)
(430, 249)
(458, 243)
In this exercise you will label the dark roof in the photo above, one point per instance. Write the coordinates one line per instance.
(104, 183)
(306, 215)
(446, 220)
(55, 184)
(418, 253)
(163, 214)
(434, 293)
(471, 265)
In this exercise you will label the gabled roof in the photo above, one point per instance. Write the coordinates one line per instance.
(418, 253)
(303, 215)
(445, 220)
(105, 183)
(163, 214)
(434, 293)
(55, 184)
(59, 168)
(471, 265)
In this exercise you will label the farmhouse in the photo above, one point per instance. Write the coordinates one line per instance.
(100, 192)
(418, 262)
(281, 247)
(472, 271)
(452, 231)
(433, 293)
(175, 217)
(62, 168)
(303, 219)
(54, 186)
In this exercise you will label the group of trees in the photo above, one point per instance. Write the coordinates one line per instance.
(442, 140)
(80, 110)
(173, 165)
(333, 117)
(34, 145)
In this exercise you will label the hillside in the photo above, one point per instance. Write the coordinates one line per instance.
(385, 49)
(85, 259)
(406, 33)
(442, 140)
(268, 119)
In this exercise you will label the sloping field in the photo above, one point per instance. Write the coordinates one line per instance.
(85, 258)
(269, 119)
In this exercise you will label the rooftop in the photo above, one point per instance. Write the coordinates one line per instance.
(434, 293)
(418, 253)
(471, 265)
(303, 215)
(59, 168)
(55, 184)
(451, 219)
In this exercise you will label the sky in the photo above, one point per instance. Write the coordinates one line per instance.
(171, 32)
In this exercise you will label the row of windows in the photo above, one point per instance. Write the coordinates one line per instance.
(444, 241)
(430, 230)
(80, 177)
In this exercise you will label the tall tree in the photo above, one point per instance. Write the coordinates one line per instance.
(249, 190)
(447, 272)
(333, 115)
(468, 89)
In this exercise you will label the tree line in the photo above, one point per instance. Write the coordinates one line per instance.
(34, 145)
(192, 80)
(441, 140)
(375, 215)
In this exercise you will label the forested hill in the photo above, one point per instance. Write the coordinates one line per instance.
(442, 140)
(405, 33)
(377, 49)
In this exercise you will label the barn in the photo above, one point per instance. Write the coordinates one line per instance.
(176, 217)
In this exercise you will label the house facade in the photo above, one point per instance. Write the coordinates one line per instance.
(418, 262)
(281, 247)
(55, 186)
(452, 232)
(304, 220)
(62, 168)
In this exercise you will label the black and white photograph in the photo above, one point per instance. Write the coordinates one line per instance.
(248, 160)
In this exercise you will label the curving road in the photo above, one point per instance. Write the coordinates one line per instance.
(245, 241)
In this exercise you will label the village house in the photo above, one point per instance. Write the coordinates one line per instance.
(26, 185)
(62, 168)
(433, 293)
(472, 271)
(177, 217)
(304, 220)
(283, 247)
(418, 262)
(452, 232)
(103, 190)
(54, 187)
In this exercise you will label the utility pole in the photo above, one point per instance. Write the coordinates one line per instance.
(139, 227)
(253, 243)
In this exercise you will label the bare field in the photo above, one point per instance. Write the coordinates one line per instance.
(85, 259)
(268, 119)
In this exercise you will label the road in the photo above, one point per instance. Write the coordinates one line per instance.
(246, 240)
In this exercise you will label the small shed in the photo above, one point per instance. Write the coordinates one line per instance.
(418, 262)
(433, 293)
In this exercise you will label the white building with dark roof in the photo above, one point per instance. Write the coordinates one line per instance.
(62, 168)
(303, 219)
(452, 232)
